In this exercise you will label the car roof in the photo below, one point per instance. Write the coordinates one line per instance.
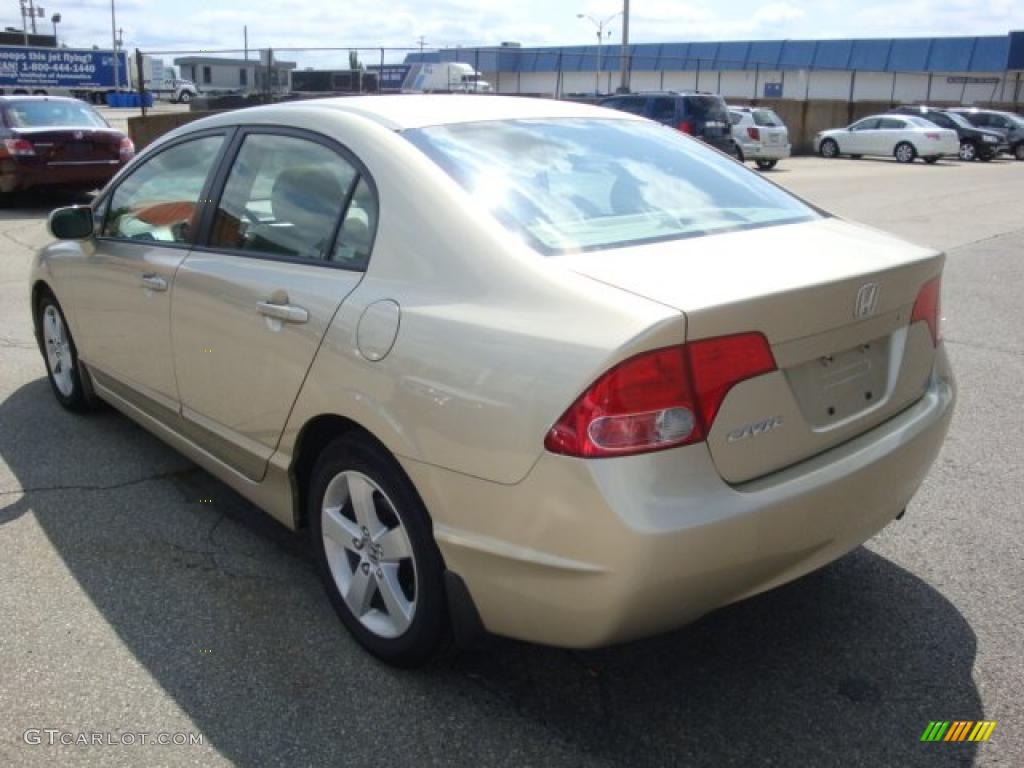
(401, 111)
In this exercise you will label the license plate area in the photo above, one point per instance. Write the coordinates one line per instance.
(839, 387)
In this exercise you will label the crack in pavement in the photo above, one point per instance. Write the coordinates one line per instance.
(109, 487)
(987, 347)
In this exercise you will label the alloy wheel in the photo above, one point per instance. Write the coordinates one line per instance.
(968, 151)
(58, 350)
(369, 554)
(905, 153)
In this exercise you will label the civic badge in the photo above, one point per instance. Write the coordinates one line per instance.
(867, 301)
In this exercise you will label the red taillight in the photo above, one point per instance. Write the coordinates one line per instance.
(686, 127)
(127, 150)
(926, 307)
(19, 147)
(932, 135)
(754, 133)
(659, 399)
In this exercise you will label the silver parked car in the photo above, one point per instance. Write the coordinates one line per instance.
(903, 137)
(525, 366)
(760, 135)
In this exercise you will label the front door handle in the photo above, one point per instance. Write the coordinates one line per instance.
(154, 282)
(287, 313)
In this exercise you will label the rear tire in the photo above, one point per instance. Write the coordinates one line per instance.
(376, 553)
(185, 97)
(904, 152)
(1018, 151)
(829, 149)
(766, 165)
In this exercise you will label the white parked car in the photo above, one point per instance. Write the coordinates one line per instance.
(760, 135)
(901, 136)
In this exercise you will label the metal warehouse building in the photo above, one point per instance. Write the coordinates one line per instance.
(965, 70)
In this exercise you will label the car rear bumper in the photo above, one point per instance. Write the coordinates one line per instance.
(766, 151)
(85, 175)
(588, 553)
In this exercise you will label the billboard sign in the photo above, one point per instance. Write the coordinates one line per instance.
(391, 76)
(59, 68)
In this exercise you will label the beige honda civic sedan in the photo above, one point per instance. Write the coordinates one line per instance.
(536, 368)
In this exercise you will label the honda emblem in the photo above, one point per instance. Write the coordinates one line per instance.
(867, 301)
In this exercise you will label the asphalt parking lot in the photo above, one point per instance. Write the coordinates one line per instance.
(138, 594)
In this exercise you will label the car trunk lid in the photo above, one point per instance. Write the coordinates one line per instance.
(73, 145)
(834, 301)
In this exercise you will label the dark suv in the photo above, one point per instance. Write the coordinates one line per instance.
(975, 143)
(703, 115)
(1007, 123)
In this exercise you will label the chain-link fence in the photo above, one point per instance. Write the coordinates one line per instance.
(586, 71)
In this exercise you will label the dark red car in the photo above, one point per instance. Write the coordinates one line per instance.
(53, 142)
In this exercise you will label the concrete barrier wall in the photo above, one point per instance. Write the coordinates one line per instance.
(803, 118)
(145, 130)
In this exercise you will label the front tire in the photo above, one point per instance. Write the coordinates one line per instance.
(61, 356)
(829, 149)
(904, 152)
(376, 553)
(766, 165)
(1018, 151)
(968, 151)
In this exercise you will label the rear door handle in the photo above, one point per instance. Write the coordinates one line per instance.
(154, 282)
(287, 313)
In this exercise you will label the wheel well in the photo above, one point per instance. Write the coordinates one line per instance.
(39, 290)
(313, 438)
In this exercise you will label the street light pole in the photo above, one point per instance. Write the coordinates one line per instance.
(600, 24)
(56, 20)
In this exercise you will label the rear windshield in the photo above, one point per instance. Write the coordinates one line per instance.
(570, 185)
(707, 108)
(766, 118)
(44, 114)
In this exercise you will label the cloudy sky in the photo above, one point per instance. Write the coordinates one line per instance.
(217, 24)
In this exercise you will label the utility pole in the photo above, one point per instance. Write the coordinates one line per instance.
(245, 39)
(422, 41)
(24, 19)
(624, 61)
(113, 42)
(32, 13)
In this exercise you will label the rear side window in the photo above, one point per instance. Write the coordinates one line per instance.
(633, 105)
(573, 185)
(663, 110)
(283, 197)
(707, 108)
(735, 118)
(766, 118)
(868, 124)
(891, 123)
(159, 202)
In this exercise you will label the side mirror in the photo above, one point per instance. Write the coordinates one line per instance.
(72, 223)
